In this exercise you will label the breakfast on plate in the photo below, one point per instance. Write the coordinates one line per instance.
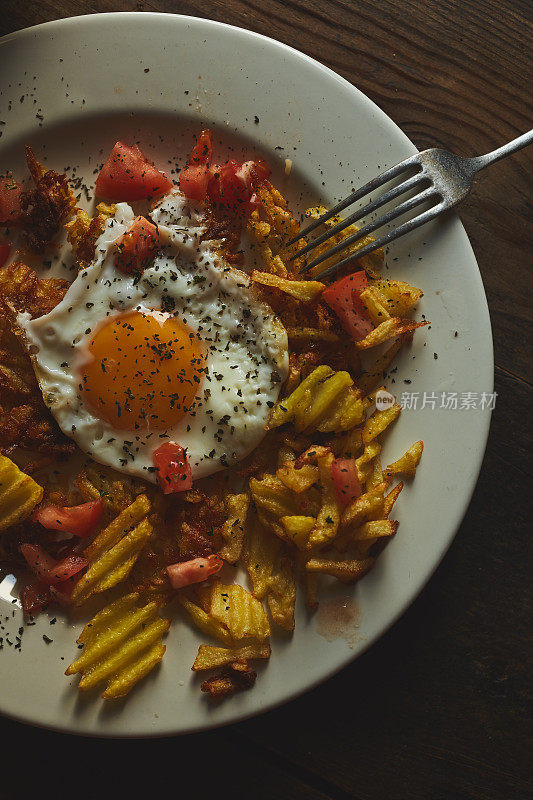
(188, 422)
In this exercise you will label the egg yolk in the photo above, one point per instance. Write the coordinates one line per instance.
(143, 371)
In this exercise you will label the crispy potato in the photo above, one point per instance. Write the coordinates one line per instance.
(389, 329)
(345, 571)
(298, 529)
(19, 494)
(281, 596)
(379, 421)
(297, 479)
(121, 525)
(368, 503)
(371, 264)
(272, 496)
(407, 464)
(397, 296)
(324, 401)
(242, 613)
(210, 657)
(122, 643)
(238, 675)
(391, 498)
(234, 527)
(328, 519)
(114, 551)
(376, 529)
(204, 621)
(311, 334)
(304, 291)
(261, 550)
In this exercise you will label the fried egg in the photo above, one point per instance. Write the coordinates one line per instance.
(184, 353)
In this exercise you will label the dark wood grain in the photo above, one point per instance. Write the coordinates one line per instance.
(439, 707)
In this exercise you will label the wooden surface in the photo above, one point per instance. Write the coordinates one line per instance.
(438, 708)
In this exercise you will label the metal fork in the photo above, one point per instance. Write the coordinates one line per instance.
(442, 179)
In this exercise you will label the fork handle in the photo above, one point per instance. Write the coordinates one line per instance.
(511, 147)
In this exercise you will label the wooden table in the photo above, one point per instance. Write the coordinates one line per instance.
(440, 701)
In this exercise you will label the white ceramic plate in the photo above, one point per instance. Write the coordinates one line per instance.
(74, 86)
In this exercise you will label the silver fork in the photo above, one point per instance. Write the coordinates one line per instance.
(442, 179)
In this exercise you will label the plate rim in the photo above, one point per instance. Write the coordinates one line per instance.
(240, 716)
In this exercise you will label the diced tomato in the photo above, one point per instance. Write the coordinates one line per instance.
(137, 247)
(344, 298)
(5, 250)
(128, 175)
(202, 151)
(234, 185)
(184, 573)
(47, 568)
(78, 520)
(10, 191)
(66, 568)
(34, 596)
(194, 178)
(346, 479)
(194, 181)
(230, 184)
(174, 472)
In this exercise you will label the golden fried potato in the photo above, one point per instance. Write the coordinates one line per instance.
(209, 657)
(234, 528)
(242, 613)
(122, 644)
(19, 494)
(345, 571)
(305, 291)
(407, 464)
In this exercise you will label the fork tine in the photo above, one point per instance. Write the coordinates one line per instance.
(410, 183)
(375, 183)
(371, 227)
(387, 238)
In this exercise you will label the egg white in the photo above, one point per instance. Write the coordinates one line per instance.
(247, 352)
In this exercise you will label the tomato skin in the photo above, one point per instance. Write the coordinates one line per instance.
(47, 569)
(346, 479)
(344, 298)
(78, 520)
(128, 175)
(137, 247)
(185, 573)
(5, 250)
(174, 472)
(66, 568)
(10, 191)
(202, 151)
(34, 596)
(194, 178)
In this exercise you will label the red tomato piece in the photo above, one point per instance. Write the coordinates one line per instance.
(344, 298)
(234, 184)
(346, 479)
(5, 250)
(174, 472)
(137, 247)
(38, 560)
(194, 181)
(184, 573)
(195, 177)
(10, 191)
(128, 175)
(34, 596)
(78, 520)
(202, 151)
(47, 568)
(66, 568)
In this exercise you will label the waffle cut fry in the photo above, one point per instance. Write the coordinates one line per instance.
(19, 494)
(209, 657)
(114, 551)
(122, 644)
(325, 401)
